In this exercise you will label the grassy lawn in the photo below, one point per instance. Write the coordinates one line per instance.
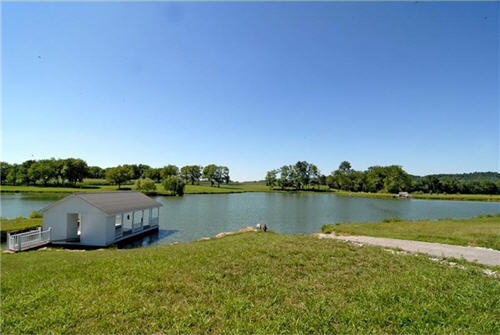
(248, 283)
(10, 225)
(190, 189)
(483, 231)
(428, 196)
(100, 185)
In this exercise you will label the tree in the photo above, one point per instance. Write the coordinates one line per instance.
(209, 173)
(271, 178)
(169, 170)
(4, 171)
(396, 179)
(145, 185)
(119, 175)
(315, 175)
(345, 166)
(285, 179)
(301, 174)
(153, 173)
(191, 173)
(174, 184)
(96, 172)
(42, 171)
(74, 170)
(221, 175)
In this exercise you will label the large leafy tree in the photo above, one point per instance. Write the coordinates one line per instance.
(271, 178)
(191, 173)
(169, 170)
(209, 173)
(119, 175)
(74, 170)
(154, 174)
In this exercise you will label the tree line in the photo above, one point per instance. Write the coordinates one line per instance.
(70, 171)
(389, 179)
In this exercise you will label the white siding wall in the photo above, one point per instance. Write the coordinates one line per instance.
(93, 225)
(110, 229)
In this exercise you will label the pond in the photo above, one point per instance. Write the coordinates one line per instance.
(195, 216)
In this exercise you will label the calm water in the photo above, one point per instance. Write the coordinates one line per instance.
(195, 216)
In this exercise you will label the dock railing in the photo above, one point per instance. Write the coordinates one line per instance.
(29, 239)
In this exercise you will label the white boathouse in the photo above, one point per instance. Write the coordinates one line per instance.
(100, 219)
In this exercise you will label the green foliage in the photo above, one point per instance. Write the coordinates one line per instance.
(271, 178)
(387, 220)
(35, 215)
(298, 176)
(169, 170)
(174, 184)
(145, 185)
(253, 283)
(191, 174)
(480, 231)
(216, 174)
(154, 174)
(96, 172)
(119, 174)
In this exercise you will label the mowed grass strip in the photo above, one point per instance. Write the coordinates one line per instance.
(483, 231)
(20, 223)
(190, 189)
(249, 283)
(423, 196)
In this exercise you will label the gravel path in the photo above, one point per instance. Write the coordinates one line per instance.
(480, 255)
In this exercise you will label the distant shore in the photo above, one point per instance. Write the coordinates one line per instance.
(239, 188)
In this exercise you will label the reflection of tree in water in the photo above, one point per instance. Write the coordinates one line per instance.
(144, 241)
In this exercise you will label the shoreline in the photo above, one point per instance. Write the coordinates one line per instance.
(233, 190)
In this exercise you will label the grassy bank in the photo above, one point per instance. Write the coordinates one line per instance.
(17, 224)
(190, 189)
(424, 196)
(251, 283)
(99, 185)
(483, 231)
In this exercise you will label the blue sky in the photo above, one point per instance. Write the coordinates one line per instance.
(253, 86)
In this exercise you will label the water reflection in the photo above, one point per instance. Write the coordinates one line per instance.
(144, 241)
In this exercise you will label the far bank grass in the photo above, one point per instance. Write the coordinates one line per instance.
(254, 283)
(424, 196)
(483, 231)
(18, 224)
(190, 189)
(100, 185)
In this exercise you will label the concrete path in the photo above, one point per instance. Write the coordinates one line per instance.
(480, 255)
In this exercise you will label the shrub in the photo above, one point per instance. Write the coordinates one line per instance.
(145, 185)
(387, 220)
(174, 184)
(35, 215)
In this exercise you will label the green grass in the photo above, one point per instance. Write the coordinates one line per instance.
(483, 231)
(260, 283)
(190, 189)
(100, 185)
(428, 196)
(18, 224)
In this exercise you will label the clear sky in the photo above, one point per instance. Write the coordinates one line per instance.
(253, 86)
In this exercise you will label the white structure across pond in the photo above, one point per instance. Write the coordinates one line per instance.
(100, 219)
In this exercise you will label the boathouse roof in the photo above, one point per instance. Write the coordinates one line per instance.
(112, 202)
